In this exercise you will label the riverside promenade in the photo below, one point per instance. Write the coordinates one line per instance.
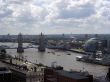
(77, 51)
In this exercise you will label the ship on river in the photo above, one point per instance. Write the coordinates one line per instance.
(97, 60)
(94, 53)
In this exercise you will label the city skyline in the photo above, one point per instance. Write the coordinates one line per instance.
(55, 17)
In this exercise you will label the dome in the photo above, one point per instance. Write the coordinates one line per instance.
(91, 45)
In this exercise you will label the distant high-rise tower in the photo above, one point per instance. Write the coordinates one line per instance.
(108, 45)
(86, 36)
(41, 43)
(96, 36)
(20, 44)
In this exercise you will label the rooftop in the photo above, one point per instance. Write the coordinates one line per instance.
(73, 74)
(23, 67)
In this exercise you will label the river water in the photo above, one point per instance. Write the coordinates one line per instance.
(60, 57)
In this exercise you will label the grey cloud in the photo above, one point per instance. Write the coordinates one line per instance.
(54, 17)
(77, 12)
(27, 19)
(5, 13)
(106, 0)
(15, 2)
(105, 12)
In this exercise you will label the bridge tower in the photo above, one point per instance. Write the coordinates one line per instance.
(20, 44)
(41, 47)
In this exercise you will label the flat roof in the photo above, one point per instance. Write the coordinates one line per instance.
(2, 64)
(5, 72)
(74, 75)
(52, 79)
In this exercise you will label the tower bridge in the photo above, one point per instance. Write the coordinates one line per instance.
(20, 48)
(20, 44)
(41, 47)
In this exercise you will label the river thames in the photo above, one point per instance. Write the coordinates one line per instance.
(60, 57)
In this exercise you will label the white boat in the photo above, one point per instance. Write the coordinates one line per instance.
(78, 58)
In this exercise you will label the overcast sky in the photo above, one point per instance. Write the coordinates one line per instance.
(54, 16)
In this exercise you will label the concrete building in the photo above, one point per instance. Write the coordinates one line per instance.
(24, 71)
(5, 73)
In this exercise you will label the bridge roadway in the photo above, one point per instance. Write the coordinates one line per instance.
(16, 47)
(51, 47)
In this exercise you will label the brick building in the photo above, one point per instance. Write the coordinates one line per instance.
(55, 75)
